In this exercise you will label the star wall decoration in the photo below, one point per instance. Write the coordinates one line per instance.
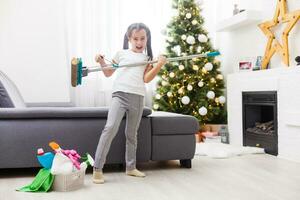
(273, 45)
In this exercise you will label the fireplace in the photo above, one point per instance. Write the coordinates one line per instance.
(260, 120)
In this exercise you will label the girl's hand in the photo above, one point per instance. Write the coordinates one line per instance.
(99, 58)
(161, 60)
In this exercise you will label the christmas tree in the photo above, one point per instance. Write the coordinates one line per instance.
(194, 87)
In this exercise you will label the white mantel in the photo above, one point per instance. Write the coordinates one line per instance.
(286, 81)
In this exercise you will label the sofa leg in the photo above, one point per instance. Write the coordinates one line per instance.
(186, 163)
(121, 166)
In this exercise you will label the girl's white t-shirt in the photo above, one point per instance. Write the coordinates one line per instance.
(130, 79)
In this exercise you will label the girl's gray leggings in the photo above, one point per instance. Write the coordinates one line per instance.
(132, 105)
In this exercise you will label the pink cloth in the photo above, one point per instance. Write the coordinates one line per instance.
(73, 156)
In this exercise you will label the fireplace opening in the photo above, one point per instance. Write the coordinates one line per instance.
(260, 120)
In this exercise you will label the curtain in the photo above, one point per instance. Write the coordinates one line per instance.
(98, 26)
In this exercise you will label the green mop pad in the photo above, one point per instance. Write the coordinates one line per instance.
(41, 183)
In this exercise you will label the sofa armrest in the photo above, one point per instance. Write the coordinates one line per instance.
(58, 112)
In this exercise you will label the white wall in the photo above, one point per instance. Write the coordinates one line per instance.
(32, 49)
(249, 41)
(210, 18)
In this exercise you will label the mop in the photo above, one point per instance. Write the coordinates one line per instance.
(78, 70)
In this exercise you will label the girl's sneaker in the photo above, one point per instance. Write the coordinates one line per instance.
(135, 173)
(98, 177)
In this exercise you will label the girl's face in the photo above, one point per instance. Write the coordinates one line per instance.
(138, 40)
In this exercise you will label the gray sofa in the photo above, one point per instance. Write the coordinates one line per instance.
(161, 135)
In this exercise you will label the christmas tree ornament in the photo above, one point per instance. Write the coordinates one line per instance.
(170, 39)
(180, 91)
(157, 96)
(208, 66)
(183, 37)
(183, 54)
(220, 77)
(185, 100)
(222, 99)
(199, 49)
(177, 50)
(202, 111)
(213, 80)
(169, 94)
(210, 95)
(172, 75)
(195, 67)
(190, 39)
(202, 38)
(281, 16)
(217, 62)
(181, 67)
(188, 15)
(164, 83)
(189, 87)
(200, 84)
(164, 76)
(217, 100)
(194, 22)
(204, 71)
(155, 106)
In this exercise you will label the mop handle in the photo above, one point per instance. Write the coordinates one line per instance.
(115, 66)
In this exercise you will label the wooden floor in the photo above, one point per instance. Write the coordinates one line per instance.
(252, 177)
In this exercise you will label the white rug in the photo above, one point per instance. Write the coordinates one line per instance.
(220, 150)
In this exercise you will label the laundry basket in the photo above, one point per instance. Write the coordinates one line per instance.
(69, 182)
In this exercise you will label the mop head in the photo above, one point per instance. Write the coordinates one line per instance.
(76, 72)
(74, 69)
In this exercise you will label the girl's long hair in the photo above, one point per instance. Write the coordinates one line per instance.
(139, 26)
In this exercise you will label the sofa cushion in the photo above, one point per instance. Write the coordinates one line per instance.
(5, 101)
(58, 112)
(12, 91)
(167, 123)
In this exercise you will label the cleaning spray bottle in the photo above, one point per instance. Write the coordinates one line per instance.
(61, 163)
(45, 159)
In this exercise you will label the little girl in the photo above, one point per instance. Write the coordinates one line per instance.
(127, 97)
